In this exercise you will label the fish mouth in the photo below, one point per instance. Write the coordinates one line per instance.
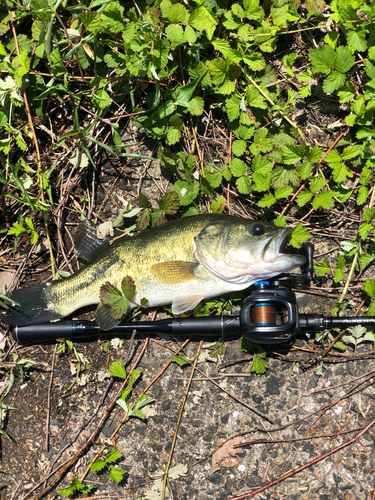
(276, 245)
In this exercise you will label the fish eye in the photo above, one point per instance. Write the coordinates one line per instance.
(258, 230)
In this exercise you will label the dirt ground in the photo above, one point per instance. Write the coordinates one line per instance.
(296, 427)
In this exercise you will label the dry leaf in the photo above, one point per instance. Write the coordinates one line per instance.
(6, 278)
(105, 229)
(230, 462)
(226, 449)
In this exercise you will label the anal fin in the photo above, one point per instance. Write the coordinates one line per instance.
(183, 304)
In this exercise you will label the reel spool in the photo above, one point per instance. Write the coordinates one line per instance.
(263, 314)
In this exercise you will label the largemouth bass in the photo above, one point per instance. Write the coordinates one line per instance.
(180, 263)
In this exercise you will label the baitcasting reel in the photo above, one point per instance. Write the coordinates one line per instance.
(269, 315)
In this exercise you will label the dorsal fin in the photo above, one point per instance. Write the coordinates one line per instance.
(87, 242)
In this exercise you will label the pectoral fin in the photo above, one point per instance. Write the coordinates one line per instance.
(104, 319)
(174, 272)
(183, 304)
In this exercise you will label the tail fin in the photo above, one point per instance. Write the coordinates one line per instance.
(32, 309)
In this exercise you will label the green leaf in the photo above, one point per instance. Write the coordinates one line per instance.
(283, 192)
(181, 360)
(239, 147)
(364, 133)
(346, 93)
(299, 235)
(116, 475)
(340, 345)
(255, 61)
(128, 287)
(280, 221)
(350, 119)
(323, 59)
(176, 13)
(344, 59)
(267, 200)
(109, 294)
(261, 182)
(357, 40)
(230, 54)
(190, 34)
(369, 287)
(261, 164)
(304, 90)
(255, 98)
(366, 176)
(304, 170)
(238, 167)
(316, 7)
(368, 214)
(364, 229)
(157, 218)
(226, 173)
(203, 19)
(233, 107)
(362, 195)
(212, 175)
(113, 454)
(143, 219)
(144, 201)
(142, 401)
(74, 486)
(262, 144)
(283, 176)
(134, 376)
(303, 197)
(292, 154)
(196, 106)
(243, 184)
(324, 200)
(169, 203)
(218, 205)
(288, 60)
(101, 99)
(173, 136)
(351, 152)
(97, 465)
(317, 184)
(333, 82)
(259, 365)
(117, 369)
(186, 191)
(322, 268)
(332, 155)
(338, 275)
(340, 172)
(331, 39)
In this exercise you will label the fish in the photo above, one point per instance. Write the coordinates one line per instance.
(180, 262)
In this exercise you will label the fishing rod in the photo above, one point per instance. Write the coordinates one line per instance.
(269, 315)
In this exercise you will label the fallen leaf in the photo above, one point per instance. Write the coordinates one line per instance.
(226, 449)
(230, 462)
(6, 278)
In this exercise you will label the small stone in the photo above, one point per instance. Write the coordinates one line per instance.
(273, 386)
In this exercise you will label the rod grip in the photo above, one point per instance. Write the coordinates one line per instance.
(52, 331)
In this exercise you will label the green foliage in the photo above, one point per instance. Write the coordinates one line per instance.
(181, 360)
(117, 300)
(176, 64)
(75, 487)
(259, 364)
(110, 456)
